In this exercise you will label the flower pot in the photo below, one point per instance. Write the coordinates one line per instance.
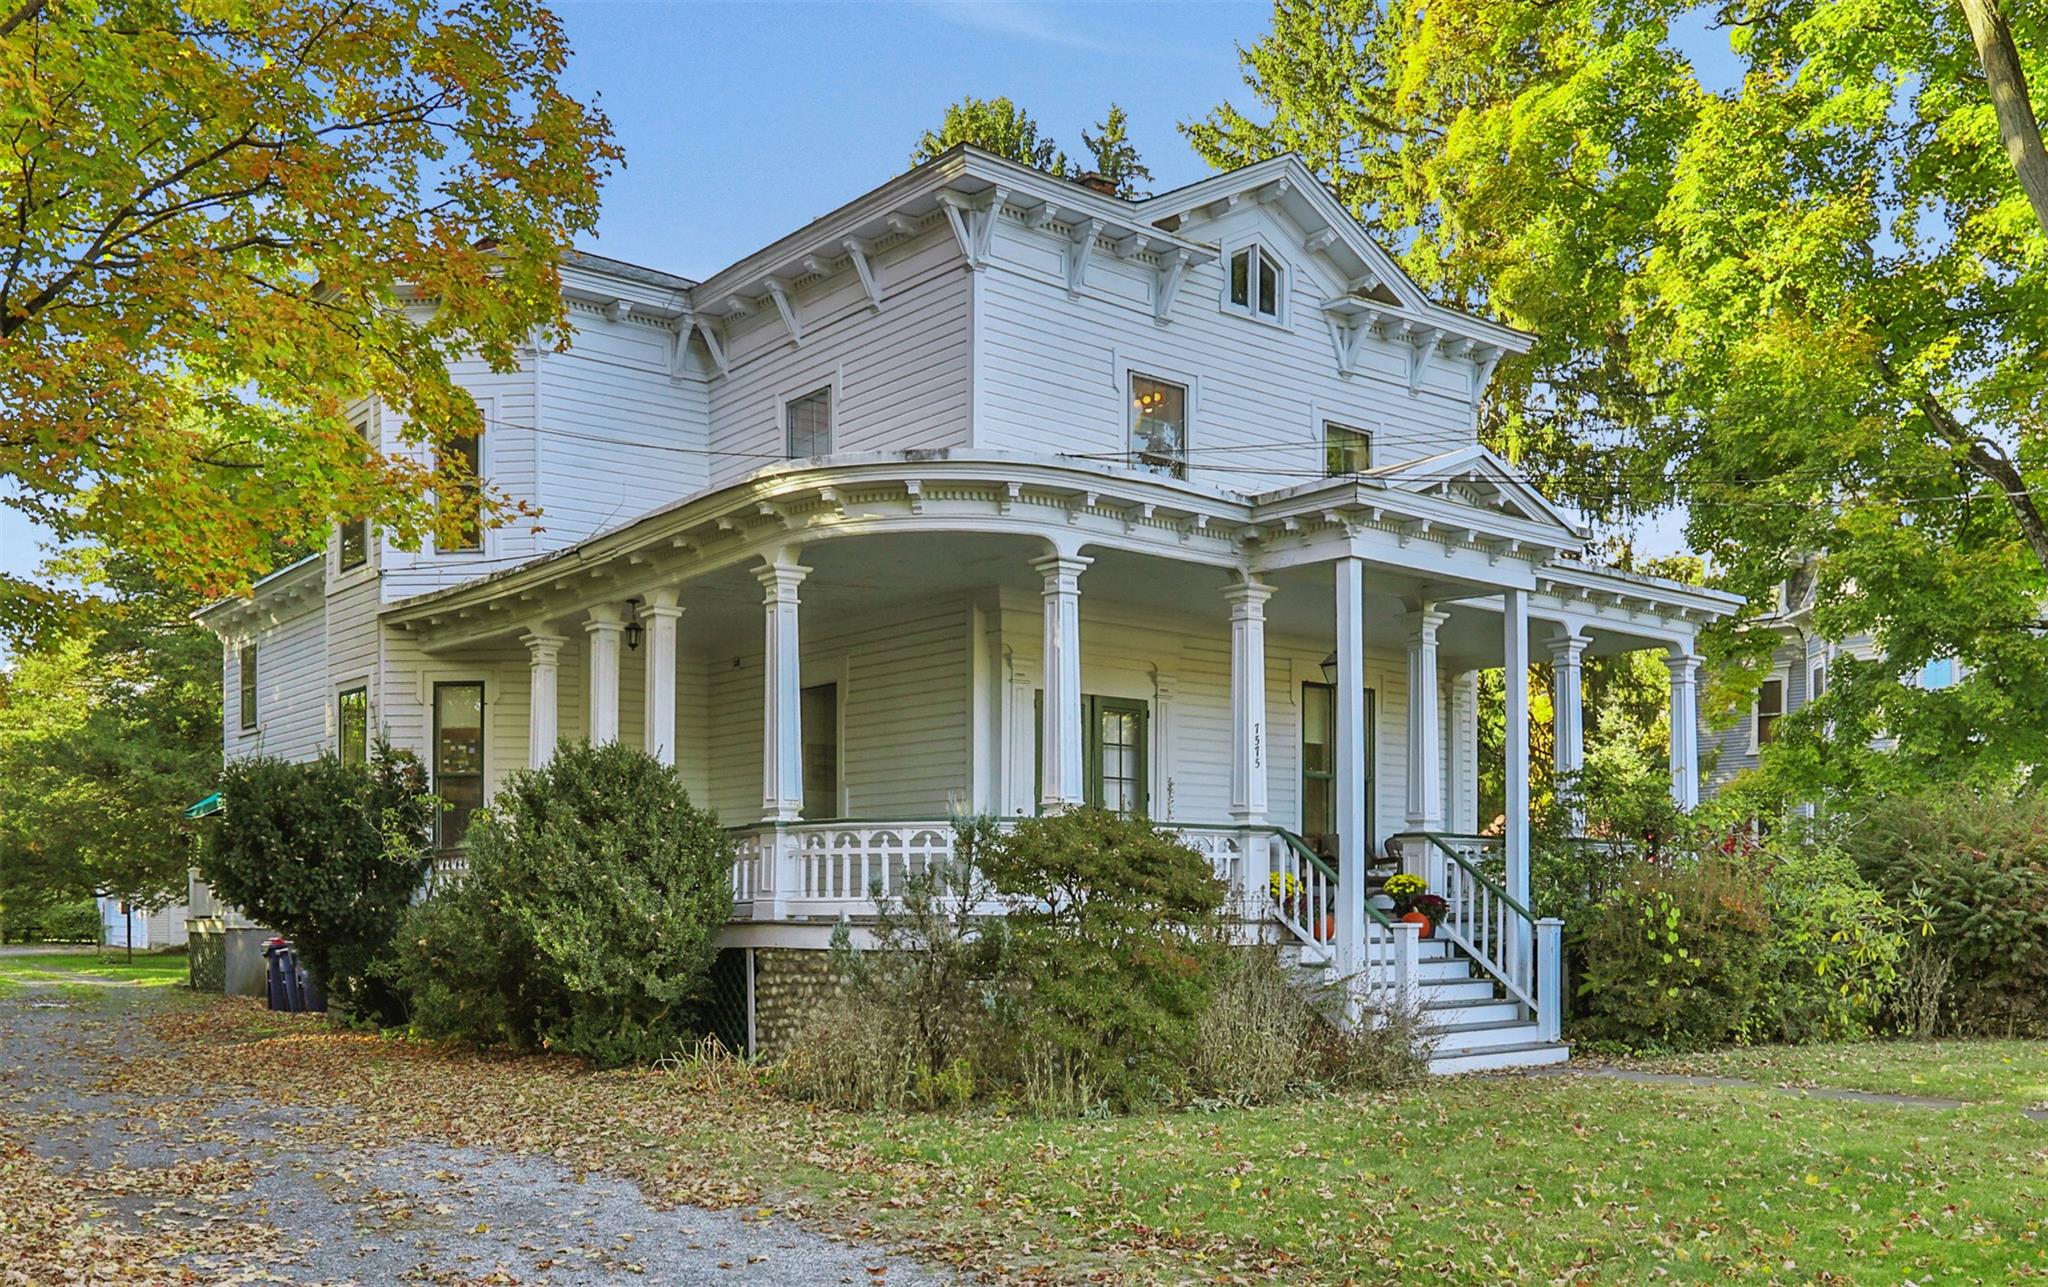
(1417, 918)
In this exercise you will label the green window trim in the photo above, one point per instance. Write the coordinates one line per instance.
(1093, 709)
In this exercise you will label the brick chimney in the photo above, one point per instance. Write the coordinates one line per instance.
(1097, 181)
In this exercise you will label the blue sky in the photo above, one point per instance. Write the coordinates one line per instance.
(741, 122)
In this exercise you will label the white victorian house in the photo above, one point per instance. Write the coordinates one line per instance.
(989, 491)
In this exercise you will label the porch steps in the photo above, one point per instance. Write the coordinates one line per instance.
(1474, 1028)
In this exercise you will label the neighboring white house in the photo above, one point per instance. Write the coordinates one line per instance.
(990, 491)
(1798, 674)
(123, 924)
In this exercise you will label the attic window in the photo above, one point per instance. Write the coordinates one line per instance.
(1255, 278)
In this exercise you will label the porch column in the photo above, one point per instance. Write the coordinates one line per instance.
(1354, 847)
(1515, 683)
(782, 734)
(1060, 706)
(1425, 724)
(1464, 802)
(660, 613)
(1248, 701)
(1568, 705)
(606, 623)
(1685, 729)
(543, 668)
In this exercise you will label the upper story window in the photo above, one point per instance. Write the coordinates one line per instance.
(354, 535)
(1159, 425)
(245, 663)
(461, 495)
(1256, 279)
(1345, 450)
(1770, 708)
(807, 423)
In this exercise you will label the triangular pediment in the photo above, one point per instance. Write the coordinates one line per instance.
(1476, 477)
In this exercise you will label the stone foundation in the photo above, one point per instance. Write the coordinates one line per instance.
(789, 982)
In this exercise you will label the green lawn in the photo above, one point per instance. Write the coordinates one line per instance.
(1514, 1178)
(1573, 1178)
(1967, 1070)
(88, 972)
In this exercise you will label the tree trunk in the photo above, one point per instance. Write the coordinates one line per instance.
(2017, 127)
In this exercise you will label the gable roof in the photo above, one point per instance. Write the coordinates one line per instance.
(1287, 181)
(1475, 476)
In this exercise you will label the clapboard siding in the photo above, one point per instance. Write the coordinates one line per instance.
(617, 436)
(293, 717)
(903, 716)
(901, 372)
(1051, 371)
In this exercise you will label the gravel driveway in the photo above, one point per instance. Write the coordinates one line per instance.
(410, 1211)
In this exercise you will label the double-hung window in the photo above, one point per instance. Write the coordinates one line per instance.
(807, 423)
(245, 664)
(1770, 708)
(354, 535)
(352, 720)
(458, 757)
(1159, 426)
(461, 494)
(1255, 282)
(1345, 450)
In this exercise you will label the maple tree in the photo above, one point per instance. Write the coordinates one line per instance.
(222, 222)
(1807, 301)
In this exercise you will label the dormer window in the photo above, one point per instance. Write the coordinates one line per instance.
(1255, 280)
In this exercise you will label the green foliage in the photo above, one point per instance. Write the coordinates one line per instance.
(1801, 294)
(74, 920)
(1091, 993)
(1116, 157)
(1975, 865)
(1675, 956)
(109, 728)
(210, 215)
(329, 855)
(1000, 126)
(994, 125)
(1109, 915)
(588, 919)
(1837, 951)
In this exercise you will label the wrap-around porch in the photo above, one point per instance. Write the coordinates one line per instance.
(1290, 706)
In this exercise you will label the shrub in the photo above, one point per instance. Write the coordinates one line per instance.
(588, 919)
(1265, 1037)
(926, 1017)
(1109, 916)
(74, 921)
(1674, 955)
(329, 855)
(1978, 865)
(1834, 956)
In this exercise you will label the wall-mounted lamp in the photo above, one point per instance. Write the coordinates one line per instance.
(1330, 669)
(633, 627)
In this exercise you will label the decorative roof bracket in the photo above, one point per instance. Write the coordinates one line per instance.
(857, 251)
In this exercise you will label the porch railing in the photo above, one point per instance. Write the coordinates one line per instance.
(1523, 953)
(838, 868)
